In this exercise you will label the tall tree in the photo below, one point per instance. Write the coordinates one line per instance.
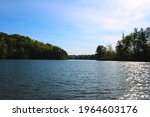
(100, 52)
(134, 46)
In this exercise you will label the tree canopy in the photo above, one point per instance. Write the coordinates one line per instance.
(135, 46)
(105, 53)
(83, 57)
(132, 47)
(16, 46)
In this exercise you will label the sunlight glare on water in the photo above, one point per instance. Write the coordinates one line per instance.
(138, 77)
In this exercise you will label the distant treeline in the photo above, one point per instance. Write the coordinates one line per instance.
(132, 47)
(84, 57)
(22, 47)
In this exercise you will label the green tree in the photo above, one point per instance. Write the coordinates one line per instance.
(100, 52)
(110, 53)
(22, 47)
(134, 46)
(3, 50)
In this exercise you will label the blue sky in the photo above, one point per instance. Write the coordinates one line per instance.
(78, 26)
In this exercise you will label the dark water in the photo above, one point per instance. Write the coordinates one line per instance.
(44, 79)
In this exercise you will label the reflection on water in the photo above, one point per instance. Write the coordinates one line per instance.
(44, 79)
(138, 76)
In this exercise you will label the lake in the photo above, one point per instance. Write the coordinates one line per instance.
(74, 79)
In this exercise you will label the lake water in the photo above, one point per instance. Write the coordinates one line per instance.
(74, 79)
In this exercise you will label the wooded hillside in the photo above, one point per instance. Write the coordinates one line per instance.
(16, 46)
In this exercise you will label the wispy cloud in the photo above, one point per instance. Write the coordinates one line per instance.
(116, 15)
(110, 15)
(82, 23)
(94, 18)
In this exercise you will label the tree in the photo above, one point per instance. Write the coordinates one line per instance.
(3, 46)
(3, 50)
(100, 52)
(134, 46)
(119, 50)
(110, 53)
(21, 47)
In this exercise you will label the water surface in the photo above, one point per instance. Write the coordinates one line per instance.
(74, 79)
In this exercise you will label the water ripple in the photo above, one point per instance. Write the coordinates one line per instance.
(138, 77)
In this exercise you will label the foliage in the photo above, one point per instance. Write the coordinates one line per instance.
(84, 57)
(20, 47)
(100, 52)
(105, 53)
(134, 46)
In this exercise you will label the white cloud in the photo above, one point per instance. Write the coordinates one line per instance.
(92, 19)
(118, 14)
(95, 15)
(100, 16)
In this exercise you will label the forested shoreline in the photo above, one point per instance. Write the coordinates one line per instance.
(16, 46)
(132, 47)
